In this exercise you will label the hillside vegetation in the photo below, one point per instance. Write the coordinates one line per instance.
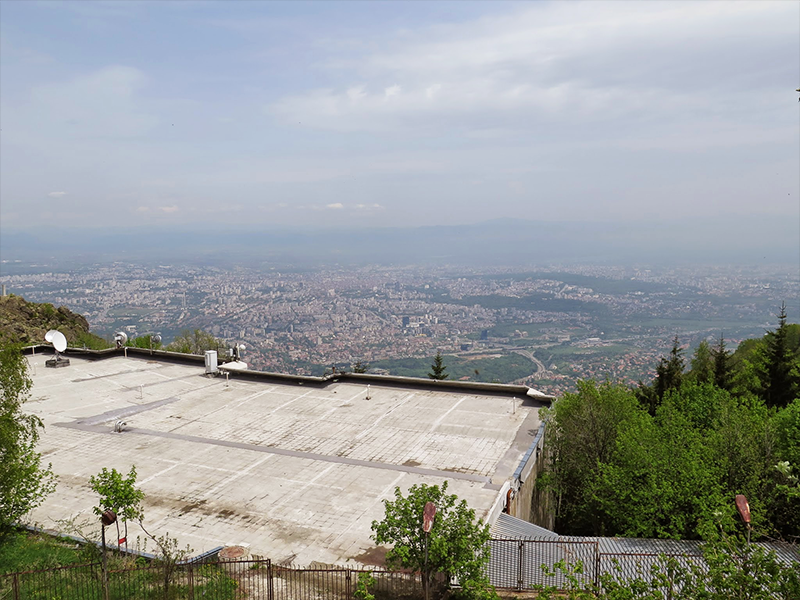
(667, 459)
(23, 322)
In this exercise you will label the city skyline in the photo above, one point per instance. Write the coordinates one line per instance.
(547, 327)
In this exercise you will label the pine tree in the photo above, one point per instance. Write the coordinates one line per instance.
(669, 375)
(702, 364)
(781, 381)
(722, 365)
(438, 369)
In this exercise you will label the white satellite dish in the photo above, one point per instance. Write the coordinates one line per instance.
(59, 341)
(60, 344)
(120, 338)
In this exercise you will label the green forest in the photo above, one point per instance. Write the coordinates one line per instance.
(666, 459)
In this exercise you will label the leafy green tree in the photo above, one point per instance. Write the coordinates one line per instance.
(438, 369)
(661, 481)
(364, 582)
(785, 500)
(781, 380)
(457, 543)
(195, 342)
(24, 482)
(582, 434)
(737, 569)
(360, 367)
(119, 494)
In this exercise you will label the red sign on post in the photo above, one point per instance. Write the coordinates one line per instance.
(427, 516)
(743, 507)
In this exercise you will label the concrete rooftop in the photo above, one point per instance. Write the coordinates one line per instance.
(296, 472)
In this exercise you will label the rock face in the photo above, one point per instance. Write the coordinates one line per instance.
(23, 322)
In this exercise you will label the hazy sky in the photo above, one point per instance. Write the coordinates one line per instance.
(244, 114)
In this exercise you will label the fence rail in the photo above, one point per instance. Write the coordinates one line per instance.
(524, 564)
(516, 564)
(218, 580)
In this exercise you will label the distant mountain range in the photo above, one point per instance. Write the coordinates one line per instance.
(500, 242)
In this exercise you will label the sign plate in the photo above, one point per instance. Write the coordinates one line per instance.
(427, 517)
(743, 507)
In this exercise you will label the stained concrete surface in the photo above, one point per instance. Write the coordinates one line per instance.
(293, 473)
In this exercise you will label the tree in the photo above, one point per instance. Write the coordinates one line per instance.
(722, 365)
(702, 370)
(662, 480)
(147, 342)
(669, 372)
(582, 431)
(119, 494)
(781, 380)
(438, 369)
(24, 483)
(457, 543)
(360, 367)
(669, 375)
(195, 342)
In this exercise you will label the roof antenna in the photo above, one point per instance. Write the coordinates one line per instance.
(60, 344)
(120, 339)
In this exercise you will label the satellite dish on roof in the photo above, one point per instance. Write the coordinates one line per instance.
(60, 344)
(120, 338)
(59, 341)
(156, 338)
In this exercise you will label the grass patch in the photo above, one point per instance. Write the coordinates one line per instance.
(40, 556)
(24, 551)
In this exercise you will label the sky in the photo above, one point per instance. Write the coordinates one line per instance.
(126, 114)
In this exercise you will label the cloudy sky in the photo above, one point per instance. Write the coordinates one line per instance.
(259, 113)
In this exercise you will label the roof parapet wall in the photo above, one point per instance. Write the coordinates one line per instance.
(499, 389)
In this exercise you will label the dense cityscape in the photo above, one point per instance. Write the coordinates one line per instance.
(558, 324)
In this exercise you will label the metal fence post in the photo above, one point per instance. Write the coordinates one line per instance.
(270, 588)
(15, 586)
(520, 563)
(191, 581)
(349, 582)
(597, 564)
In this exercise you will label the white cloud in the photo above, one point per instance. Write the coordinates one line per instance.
(549, 63)
(142, 209)
(168, 209)
(391, 91)
(335, 206)
(57, 194)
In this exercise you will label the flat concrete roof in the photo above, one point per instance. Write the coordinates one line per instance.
(295, 472)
